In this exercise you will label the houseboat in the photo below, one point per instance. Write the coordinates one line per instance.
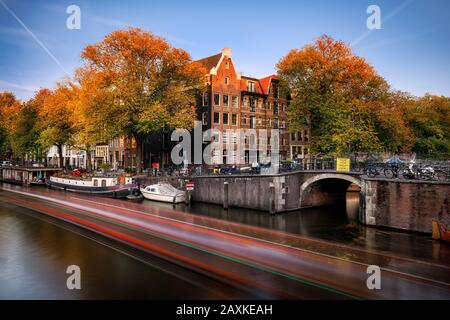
(34, 175)
(107, 186)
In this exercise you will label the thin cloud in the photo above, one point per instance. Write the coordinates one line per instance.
(34, 37)
(389, 42)
(10, 85)
(107, 21)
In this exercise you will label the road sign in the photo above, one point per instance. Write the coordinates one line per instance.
(190, 185)
(343, 164)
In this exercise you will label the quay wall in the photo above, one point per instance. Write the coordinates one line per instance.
(407, 205)
(398, 204)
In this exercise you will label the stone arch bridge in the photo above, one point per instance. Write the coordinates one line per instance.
(276, 193)
(400, 204)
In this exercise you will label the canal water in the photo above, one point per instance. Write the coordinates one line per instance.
(35, 251)
(336, 223)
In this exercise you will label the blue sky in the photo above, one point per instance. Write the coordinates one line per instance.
(412, 50)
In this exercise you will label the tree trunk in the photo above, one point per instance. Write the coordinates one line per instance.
(60, 156)
(89, 160)
(139, 148)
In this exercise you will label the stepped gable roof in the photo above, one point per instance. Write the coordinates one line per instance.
(211, 61)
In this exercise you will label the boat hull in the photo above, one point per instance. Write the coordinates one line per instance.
(120, 191)
(179, 198)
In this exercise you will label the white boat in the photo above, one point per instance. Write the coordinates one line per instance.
(163, 192)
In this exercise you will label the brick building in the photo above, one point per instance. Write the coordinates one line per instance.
(234, 101)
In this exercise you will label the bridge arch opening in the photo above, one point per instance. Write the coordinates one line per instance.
(325, 189)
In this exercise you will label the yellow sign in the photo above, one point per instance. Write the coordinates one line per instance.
(343, 164)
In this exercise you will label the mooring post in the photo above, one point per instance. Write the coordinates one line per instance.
(225, 195)
(187, 198)
(272, 198)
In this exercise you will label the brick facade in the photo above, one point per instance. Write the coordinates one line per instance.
(234, 101)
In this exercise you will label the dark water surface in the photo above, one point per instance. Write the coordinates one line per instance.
(35, 251)
(336, 223)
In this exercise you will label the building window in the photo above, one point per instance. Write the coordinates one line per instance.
(216, 117)
(250, 86)
(206, 99)
(245, 102)
(235, 101)
(225, 137)
(225, 118)
(261, 140)
(216, 99)
(234, 119)
(227, 80)
(252, 104)
(225, 100)
(252, 122)
(205, 118)
(234, 138)
(305, 136)
(216, 156)
(227, 64)
(233, 156)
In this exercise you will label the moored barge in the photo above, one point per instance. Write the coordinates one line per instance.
(106, 186)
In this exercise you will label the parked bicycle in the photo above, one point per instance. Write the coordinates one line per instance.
(427, 172)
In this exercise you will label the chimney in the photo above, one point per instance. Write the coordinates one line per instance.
(227, 52)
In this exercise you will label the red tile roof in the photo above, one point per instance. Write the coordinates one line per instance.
(265, 82)
(244, 79)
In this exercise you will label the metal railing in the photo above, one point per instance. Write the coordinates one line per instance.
(421, 170)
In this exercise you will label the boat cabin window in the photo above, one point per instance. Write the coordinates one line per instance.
(152, 190)
(95, 183)
(103, 183)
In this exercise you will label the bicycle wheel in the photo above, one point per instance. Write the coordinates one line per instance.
(372, 172)
(441, 175)
(388, 173)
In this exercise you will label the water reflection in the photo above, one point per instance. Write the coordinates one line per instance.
(337, 223)
(35, 253)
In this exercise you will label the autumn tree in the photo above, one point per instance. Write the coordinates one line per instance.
(153, 84)
(25, 136)
(339, 94)
(10, 108)
(56, 119)
(429, 118)
(90, 105)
